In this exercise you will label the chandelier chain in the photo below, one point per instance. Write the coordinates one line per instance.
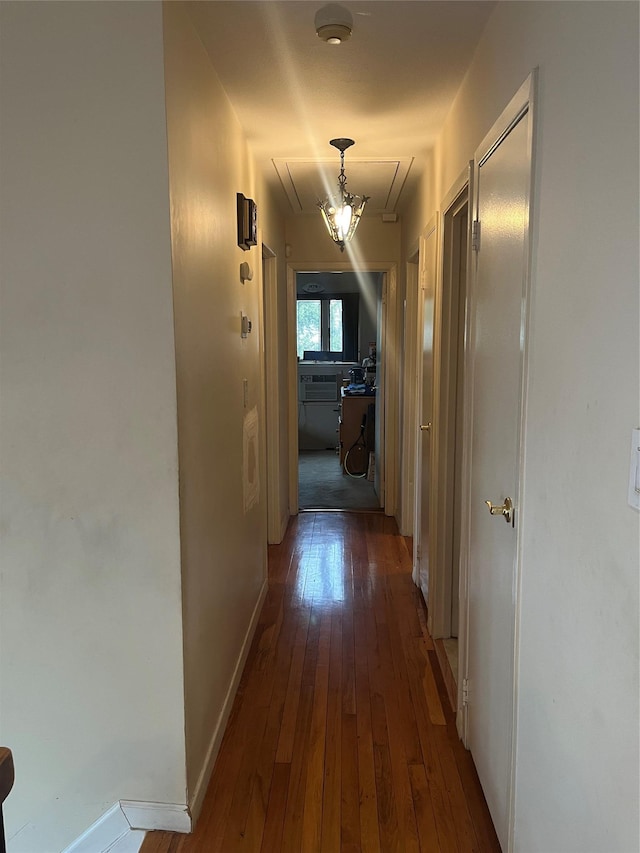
(342, 178)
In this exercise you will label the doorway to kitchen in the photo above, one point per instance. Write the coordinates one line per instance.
(338, 335)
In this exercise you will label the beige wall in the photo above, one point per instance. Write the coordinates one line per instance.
(124, 612)
(223, 545)
(419, 207)
(91, 665)
(577, 735)
(375, 241)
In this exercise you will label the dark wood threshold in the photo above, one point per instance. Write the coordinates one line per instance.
(447, 674)
(441, 655)
(374, 509)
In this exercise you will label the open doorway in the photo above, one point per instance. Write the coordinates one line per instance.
(338, 337)
(448, 391)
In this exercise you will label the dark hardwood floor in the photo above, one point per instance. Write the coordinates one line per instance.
(341, 737)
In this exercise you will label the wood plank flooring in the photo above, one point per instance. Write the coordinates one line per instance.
(341, 737)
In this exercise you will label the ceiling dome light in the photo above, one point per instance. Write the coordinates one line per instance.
(341, 214)
(333, 23)
(313, 287)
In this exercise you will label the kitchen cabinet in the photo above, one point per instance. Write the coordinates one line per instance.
(352, 408)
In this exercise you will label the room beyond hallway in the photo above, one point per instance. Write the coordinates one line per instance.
(341, 737)
(323, 484)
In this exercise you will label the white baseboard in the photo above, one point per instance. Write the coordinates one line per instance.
(216, 739)
(122, 828)
(169, 816)
(109, 833)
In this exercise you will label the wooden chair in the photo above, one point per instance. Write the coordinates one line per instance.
(6, 784)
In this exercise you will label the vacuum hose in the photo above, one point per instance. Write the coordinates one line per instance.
(357, 455)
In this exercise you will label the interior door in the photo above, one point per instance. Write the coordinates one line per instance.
(499, 291)
(424, 479)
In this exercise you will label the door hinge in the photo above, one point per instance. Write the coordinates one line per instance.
(465, 692)
(475, 235)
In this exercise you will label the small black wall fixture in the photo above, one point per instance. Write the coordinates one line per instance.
(247, 215)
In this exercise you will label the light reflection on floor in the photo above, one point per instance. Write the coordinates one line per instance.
(322, 576)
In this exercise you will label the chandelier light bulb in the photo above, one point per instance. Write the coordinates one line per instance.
(345, 220)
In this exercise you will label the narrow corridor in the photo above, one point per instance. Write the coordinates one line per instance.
(341, 737)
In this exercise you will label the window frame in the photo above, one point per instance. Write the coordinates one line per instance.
(350, 321)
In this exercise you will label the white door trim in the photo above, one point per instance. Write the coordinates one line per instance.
(292, 372)
(439, 593)
(276, 517)
(429, 232)
(387, 407)
(408, 458)
(465, 508)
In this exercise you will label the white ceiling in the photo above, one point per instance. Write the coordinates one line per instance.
(389, 88)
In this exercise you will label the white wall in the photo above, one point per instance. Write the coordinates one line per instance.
(577, 730)
(223, 544)
(91, 666)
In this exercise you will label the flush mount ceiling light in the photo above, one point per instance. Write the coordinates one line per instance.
(333, 23)
(342, 213)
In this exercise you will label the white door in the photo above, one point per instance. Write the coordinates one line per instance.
(422, 542)
(499, 299)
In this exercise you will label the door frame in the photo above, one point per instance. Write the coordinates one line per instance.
(523, 100)
(388, 371)
(408, 457)
(446, 331)
(430, 232)
(277, 515)
(444, 384)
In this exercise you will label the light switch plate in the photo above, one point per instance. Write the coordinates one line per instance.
(634, 471)
(245, 325)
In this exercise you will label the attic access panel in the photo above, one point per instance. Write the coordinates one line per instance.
(306, 181)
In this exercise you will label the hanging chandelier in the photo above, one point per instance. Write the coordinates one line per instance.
(342, 213)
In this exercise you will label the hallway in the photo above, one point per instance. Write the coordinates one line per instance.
(340, 737)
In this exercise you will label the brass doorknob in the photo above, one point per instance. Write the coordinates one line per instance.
(505, 509)
(425, 427)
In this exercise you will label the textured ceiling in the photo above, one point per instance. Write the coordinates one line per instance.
(389, 88)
